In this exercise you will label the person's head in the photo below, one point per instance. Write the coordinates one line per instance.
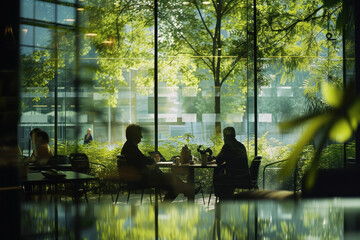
(34, 131)
(42, 138)
(229, 134)
(89, 131)
(133, 133)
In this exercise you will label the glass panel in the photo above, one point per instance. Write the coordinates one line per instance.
(44, 11)
(292, 77)
(65, 15)
(27, 8)
(118, 70)
(27, 35)
(43, 37)
(114, 61)
(349, 69)
(202, 74)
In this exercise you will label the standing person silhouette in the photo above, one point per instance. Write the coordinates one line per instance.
(88, 137)
(151, 176)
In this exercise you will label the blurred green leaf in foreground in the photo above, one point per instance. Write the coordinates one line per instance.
(337, 122)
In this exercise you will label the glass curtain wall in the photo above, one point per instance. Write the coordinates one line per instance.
(349, 76)
(203, 73)
(47, 56)
(207, 78)
(299, 49)
(114, 56)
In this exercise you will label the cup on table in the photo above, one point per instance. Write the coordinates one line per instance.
(204, 159)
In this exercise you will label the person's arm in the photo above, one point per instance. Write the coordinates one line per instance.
(220, 159)
(135, 157)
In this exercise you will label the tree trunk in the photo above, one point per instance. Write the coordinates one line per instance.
(217, 53)
(217, 110)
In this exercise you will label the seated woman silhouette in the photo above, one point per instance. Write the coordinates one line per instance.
(42, 151)
(151, 176)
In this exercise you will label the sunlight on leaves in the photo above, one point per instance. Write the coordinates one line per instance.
(341, 130)
(331, 94)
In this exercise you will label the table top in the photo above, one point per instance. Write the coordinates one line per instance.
(188, 165)
(63, 167)
(71, 176)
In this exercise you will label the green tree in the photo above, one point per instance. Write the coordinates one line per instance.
(122, 38)
(214, 36)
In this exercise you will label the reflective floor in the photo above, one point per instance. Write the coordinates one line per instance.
(304, 219)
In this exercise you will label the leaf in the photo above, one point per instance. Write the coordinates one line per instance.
(307, 135)
(354, 110)
(341, 130)
(296, 122)
(331, 94)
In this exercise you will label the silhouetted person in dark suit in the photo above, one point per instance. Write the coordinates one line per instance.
(232, 157)
(151, 176)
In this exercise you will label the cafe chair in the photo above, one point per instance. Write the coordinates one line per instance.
(242, 179)
(58, 159)
(130, 179)
(80, 163)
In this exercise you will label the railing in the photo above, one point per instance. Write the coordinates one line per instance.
(267, 165)
(273, 163)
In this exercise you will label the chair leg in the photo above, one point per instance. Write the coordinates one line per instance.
(150, 195)
(99, 194)
(117, 196)
(212, 188)
(86, 198)
(142, 195)
(202, 193)
(128, 196)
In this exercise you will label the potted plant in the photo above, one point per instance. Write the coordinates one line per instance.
(205, 154)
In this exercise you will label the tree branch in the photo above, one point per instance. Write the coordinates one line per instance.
(235, 62)
(203, 21)
(292, 25)
(191, 46)
(227, 9)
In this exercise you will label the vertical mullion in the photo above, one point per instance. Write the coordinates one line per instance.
(156, 73)
(255, 83)
(56, 82)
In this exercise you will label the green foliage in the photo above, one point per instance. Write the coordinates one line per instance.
(338, 122)
(97, 152)
(270, 149)
(187, 137)
(123, 41)
(38, 71)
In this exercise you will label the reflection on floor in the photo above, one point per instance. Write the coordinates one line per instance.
(135, 199)
(287, 219)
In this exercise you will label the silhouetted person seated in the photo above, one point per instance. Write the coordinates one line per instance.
(230, 160)
(42, 151)
(151, 176)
